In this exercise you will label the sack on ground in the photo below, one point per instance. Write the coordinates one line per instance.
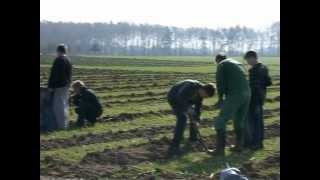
(47, 118)
(231, 174)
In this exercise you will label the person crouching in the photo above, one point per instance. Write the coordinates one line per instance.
(87, 104)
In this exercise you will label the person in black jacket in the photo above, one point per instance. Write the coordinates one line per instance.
(59, 84)
(259, 80)
(185, 98)
(87, 104)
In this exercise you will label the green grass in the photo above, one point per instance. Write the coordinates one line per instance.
(75, 153)
(104, 63)
(140, 69)
(138, 122)
(202, 163)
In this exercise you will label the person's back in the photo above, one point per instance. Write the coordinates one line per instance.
(88, 98)
(259, 81)
(88, 106)
(61, 72)
(185, 99)
(183, 89)
(233, 75)
(234, 98)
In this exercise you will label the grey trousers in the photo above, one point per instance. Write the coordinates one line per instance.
(61, 106)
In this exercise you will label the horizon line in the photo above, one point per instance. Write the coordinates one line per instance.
(134, 23)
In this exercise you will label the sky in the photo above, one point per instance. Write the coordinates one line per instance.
(256, 14)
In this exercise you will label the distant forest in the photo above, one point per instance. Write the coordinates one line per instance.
(139, 40)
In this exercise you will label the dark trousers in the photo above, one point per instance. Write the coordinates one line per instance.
(180, 127)
(86, 112)
(255, 125)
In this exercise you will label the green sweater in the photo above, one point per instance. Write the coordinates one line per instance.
(231, 78)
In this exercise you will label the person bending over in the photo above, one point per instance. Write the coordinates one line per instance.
(182, 97)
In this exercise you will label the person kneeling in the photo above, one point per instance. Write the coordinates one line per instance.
(182, 97)
(87, 104)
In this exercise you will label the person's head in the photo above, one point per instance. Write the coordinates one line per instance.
(61, 50)
(220, 57)
(77, 86)
(207, 90)
(251, 57)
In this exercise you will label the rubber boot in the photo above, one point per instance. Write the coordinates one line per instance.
(80, 122)
(221, 143)
(256, 147)
(174, 150)
(192, 141)
(193, 137)
(239, 142)
(92, 121)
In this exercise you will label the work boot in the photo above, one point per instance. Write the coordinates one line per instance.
(91, 123)
(256, 147)
(239, 142)
(221, 143)
(174, 150)
(192, 144)
(193, 135)
(80, 122)
(247, 140)
(193, 139)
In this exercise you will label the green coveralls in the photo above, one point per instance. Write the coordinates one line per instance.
(232, 83)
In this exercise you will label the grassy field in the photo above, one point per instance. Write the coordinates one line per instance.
(131, 139)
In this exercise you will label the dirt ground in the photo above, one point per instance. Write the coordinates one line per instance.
(112, 161)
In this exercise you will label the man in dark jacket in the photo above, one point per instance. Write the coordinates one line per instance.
(182, 97)
(87, 104)
(234, 99)
(259, 81)
(59, 83)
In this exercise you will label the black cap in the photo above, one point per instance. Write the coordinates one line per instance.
(221, 56)
(250, 54)
(62, 48)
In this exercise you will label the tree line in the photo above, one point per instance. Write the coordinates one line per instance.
(143, 39)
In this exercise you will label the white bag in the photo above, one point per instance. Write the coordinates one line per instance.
(231, 173)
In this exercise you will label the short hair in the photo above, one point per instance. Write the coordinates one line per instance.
(62, 48)
(251, 54)
(78, 83)
(210, 88)
(221, 56)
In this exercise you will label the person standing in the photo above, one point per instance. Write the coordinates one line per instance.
(59, 83)
(259, 81)
(233, 99)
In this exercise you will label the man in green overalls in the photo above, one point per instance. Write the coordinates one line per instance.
(234, 99)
